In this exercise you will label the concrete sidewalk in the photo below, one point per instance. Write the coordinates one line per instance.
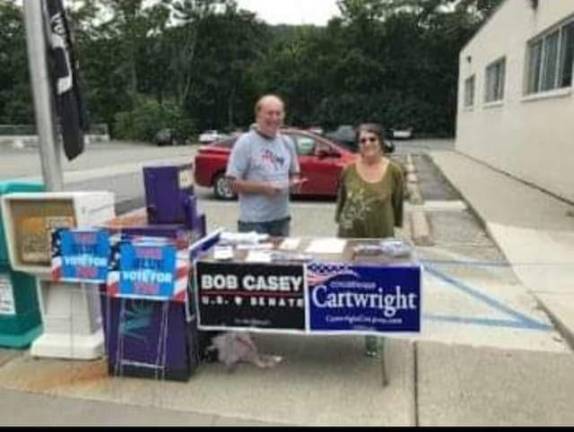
(308, 389)
(531, 227)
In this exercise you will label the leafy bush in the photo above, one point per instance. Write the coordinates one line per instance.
(147, 117)
(392, 109)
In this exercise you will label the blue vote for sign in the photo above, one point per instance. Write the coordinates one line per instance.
(147, 269)
(363, 298)
(80, 255)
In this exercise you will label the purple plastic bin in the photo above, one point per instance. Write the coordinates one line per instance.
(149, 339)
(169, 194)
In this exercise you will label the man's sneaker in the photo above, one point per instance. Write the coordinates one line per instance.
(371, 346)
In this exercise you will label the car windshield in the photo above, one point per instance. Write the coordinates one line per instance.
(228, 143)
(348, 145)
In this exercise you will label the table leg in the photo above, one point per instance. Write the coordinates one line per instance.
(383, 363)
(375, 347)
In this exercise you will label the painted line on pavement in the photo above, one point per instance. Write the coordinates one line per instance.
(519, 320)
(487, 322)
(496, 263)
(468, 263)
(81, 175)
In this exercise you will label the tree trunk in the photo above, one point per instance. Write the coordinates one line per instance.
(230, 113)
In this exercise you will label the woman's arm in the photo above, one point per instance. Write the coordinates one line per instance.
(398, 196)
(341, 196)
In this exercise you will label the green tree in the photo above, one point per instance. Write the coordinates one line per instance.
(15, 94)
(147, 117)
(182, 40)
(221, 82)
(391, 61)
(132, 25)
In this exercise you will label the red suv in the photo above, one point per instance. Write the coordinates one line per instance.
(320, 159)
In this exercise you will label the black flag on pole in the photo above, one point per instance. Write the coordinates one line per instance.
(73, 121)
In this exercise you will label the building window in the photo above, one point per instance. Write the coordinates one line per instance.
(566, 55)
(469, 92)
(550, 60)
(495, 72)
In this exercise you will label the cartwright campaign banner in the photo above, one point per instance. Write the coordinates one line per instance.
(363, 299)
(247, 295)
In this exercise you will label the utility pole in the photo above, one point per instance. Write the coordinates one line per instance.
(49, 144)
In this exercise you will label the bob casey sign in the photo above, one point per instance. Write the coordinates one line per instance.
(245, 295)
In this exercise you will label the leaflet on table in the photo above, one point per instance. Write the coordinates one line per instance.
(290, 243)
(242, 238)
(395, 248)
(278, 256)
(222, 252)
(257, 246)
(260, 256)
(326, 246)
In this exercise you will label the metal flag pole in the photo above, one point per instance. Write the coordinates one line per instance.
(49, 145)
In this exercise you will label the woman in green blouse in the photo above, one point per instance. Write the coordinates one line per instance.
(370, 197)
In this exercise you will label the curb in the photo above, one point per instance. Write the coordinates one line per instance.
(410, 166)
(469, 205)
(561, 328)
(419, 224)
(128, 205)
(420, 230)
(412, 177)
(20, 142)
(414, 192)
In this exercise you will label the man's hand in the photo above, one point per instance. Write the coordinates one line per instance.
(254, 187)
(270, 189)
(295, 183)
(275, 188)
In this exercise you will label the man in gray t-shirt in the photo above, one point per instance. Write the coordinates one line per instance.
(263, 166)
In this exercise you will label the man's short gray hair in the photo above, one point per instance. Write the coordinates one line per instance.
(264, 98)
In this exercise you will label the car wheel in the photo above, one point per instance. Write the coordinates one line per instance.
(222, 188)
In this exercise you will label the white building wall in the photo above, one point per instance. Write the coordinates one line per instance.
(532, 137)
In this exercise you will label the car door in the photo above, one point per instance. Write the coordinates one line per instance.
(327, 162)
(320, 164)
(305, 147)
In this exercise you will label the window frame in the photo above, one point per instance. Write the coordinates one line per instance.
(537, 71)
(296, 137)
(469, 97)
(496, 80)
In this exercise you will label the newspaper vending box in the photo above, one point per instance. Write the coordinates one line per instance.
(20, 320)
(70, 311)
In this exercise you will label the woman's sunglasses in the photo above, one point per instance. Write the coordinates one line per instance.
(369, 139)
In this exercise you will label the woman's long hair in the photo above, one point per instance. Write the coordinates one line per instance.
(387, 145)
